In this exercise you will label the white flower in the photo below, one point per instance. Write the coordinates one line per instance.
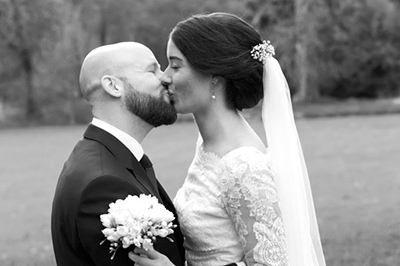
(147, 244)
(111, 234)
(126, 242)
(107, 220)
(159, 214)
(136, 221)
(135, 231)
(136, 242)
(163, 232)
(122, 230)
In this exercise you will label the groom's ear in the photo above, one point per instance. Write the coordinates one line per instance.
(113, 86)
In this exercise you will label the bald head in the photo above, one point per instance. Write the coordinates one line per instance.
(112, 60)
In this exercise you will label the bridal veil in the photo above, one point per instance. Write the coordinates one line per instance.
(300, 223)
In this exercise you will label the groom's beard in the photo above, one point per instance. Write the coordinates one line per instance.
(153, 110)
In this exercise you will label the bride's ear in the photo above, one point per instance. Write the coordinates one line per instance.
(214, 82)
(112, 86)
(218, 81)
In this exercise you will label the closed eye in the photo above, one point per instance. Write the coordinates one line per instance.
(174, 62)
(153, 68)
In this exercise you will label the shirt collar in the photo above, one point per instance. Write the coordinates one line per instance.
(132, 144)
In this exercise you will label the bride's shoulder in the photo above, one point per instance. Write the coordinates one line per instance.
(248, 162)
(248, 148)
(248, 155)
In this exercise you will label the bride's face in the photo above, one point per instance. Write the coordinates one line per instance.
(190, 90)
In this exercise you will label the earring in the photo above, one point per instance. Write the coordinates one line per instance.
(212, 90)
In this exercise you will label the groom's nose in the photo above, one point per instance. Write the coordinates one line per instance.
(159, 74)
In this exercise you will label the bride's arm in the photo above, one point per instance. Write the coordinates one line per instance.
(250, 198)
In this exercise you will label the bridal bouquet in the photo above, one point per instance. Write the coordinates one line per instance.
(136, 220)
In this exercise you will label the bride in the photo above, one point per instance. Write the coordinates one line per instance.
(241, 203)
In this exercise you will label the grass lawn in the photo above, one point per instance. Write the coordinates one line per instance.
(353, 161)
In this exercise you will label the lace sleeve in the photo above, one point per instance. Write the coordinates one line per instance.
(250, 198)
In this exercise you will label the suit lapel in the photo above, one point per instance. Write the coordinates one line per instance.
(141, 175)
(122, 154)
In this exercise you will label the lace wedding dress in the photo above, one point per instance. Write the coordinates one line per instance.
(229, 211)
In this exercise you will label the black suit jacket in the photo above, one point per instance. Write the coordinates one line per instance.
(99, 171)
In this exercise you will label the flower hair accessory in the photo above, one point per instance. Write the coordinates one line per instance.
(261, 51)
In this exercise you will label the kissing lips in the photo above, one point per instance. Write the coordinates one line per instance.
(171, 96)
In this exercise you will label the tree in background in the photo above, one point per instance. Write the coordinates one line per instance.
(327, 48)
(361, 40)
(24, 24)
(333, 48)
(80, 27)
(307, 16)
(292, 26)
(275, 21)
(61, 98)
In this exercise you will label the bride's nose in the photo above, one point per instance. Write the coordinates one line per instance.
(166, 80)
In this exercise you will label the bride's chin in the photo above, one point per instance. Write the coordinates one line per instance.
(179, 109)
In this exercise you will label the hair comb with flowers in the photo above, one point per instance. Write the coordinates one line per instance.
(262, 51)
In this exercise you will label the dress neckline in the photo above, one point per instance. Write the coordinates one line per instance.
(217, 157)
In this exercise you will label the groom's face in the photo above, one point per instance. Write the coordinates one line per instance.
(142, 70)
(152, 109)
(144, 95)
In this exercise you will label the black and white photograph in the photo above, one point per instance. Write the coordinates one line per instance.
(200, 132)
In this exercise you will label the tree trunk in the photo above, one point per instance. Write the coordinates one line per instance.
(305, 32)
(103, 31)
(2, 115)
(302, 67)
(31, 106)
(308, 87)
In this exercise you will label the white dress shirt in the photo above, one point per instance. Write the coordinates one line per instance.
(132, 144)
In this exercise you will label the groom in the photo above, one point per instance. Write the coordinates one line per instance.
(121, 83)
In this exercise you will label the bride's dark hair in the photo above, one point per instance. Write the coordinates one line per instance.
(220, 44)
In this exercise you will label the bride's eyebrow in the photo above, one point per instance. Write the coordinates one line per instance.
(175, 58)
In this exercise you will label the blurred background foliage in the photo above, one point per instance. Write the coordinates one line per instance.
(327, 48)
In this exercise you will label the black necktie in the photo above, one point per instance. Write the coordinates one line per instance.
(148, 166)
